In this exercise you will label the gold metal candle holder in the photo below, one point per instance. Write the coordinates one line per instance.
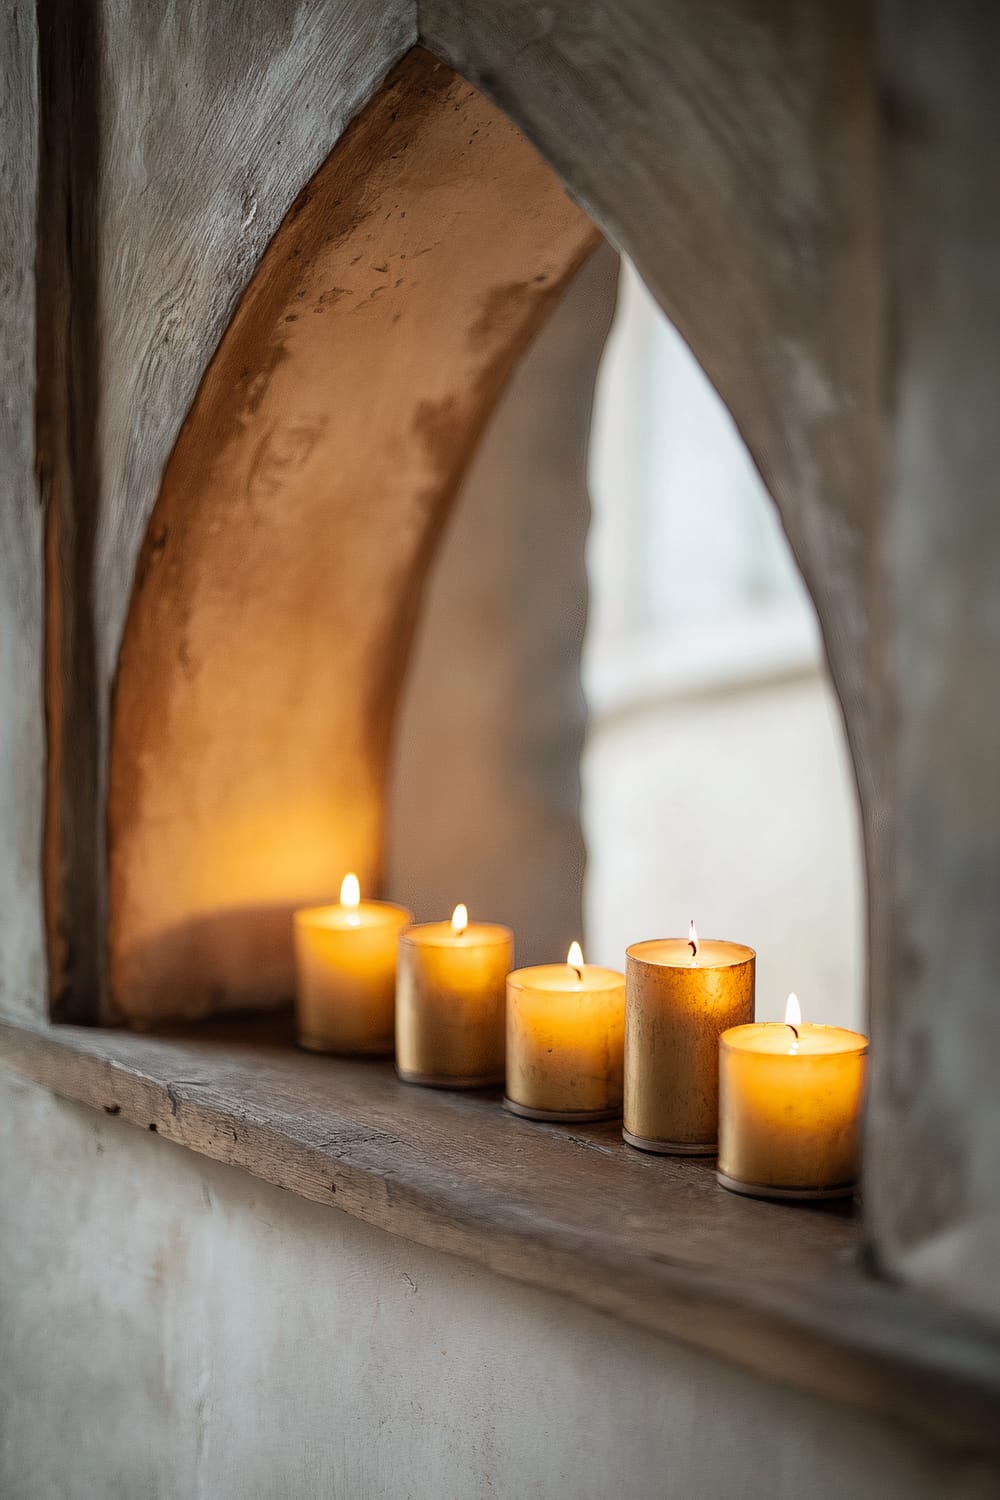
(680, 997)
(565, 1040)
(790, 1101)
(345, 969)
(450, 1002)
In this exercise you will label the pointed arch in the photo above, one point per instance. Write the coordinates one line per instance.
(281, 572)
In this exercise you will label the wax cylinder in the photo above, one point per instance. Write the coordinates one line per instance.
(565, 1042)
(676, 1010)
(790, 1110)
(450, 1004)
(345, 966)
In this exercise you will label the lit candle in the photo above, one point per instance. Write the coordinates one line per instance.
(790, 1108)
(565, 1039)
(450, 1002)
(682, 994)
(345, 967)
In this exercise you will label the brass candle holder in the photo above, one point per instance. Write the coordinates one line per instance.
(345, 967)
(565, 1039)
(450, 987)
(680, 997)
(790, 1102)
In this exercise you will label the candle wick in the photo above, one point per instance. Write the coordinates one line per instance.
(793, 1029)
(577, 972)
(693, 943)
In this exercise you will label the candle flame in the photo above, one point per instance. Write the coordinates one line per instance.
(575, 959)
(693, 940)
(350, 891)
(460, 919)
(793, 1018)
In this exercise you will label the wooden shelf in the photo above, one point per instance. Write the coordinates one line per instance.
(650, 1240)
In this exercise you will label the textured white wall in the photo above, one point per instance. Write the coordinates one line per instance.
(174, 1329)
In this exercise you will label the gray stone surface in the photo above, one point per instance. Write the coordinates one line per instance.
(728, 148)
(933, 1166)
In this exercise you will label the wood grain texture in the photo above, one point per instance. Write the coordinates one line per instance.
(22, 726)
(281, 575)
(573, 1210)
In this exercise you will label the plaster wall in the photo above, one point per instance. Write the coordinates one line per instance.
(173, 1328)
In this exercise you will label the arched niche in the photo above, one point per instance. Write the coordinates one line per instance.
(280, 575)
(279, 579)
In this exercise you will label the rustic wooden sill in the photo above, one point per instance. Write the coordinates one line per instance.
(650, 1240)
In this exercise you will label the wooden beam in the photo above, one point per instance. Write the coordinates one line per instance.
(67, 458)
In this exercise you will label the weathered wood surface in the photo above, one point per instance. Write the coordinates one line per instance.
(22, 631)
(281, 576)
(649, 1240)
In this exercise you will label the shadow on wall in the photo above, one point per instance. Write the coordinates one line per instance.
(485, 804)
(247, 948)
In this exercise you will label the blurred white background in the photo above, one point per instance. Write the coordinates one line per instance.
(716, 781)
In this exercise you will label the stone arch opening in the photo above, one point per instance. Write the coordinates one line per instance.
(280, 578)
